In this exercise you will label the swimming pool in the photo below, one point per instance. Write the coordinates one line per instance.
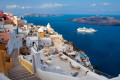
(2, 28)
(81, 55)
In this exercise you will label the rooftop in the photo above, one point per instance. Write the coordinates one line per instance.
(62, 63)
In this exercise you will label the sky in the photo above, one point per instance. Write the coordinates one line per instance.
(96, 7)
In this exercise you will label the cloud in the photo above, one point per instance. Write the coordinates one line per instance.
(41, 6)
(105, 4)
(93, 5)
(16, 6)
(11, 6)
(51, 5)
(23, 7)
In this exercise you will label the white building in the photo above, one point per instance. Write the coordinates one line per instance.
(59, 45)
(69, 47)
(41, 29)
(50, 30)
(24, 21)
(30, 40)
(57, 69)
(15, 42)
(45, 42)
(26, 28)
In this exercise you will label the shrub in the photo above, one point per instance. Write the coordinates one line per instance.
(24, 50)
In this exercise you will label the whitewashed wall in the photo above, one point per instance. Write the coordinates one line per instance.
(45, 42)
(44, 75)
(10, 48)
(30, 40)
(14, 42)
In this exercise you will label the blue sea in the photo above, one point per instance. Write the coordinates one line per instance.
(102, 47)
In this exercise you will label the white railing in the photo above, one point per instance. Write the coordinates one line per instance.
(46, 68)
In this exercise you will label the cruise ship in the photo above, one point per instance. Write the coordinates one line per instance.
(87, 30)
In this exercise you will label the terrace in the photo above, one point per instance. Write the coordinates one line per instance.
(62, 63)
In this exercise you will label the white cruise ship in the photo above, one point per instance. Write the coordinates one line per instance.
(87, 30)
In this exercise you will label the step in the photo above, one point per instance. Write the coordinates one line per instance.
(16, 64)
(20, 70)
(21, 77)
(19, 74)
(17, 70)
(31, 78)
(17, 67)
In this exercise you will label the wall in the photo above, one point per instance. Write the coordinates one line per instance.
(45, 42)
(16, 41)
(44, 75)
(6, 36)
(26, 64)
(2, 77)
(4, 65)
(10, 48)
(41, 34)
(9, 64)
(30, 40)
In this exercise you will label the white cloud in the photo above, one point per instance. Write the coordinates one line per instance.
(105, 4)
(51, 5)
(93, 5)
(23, 7)
(16, 6)
(41, 6)
(11, 6)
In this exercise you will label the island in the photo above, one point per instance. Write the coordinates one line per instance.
(41, 15)
(98, 20)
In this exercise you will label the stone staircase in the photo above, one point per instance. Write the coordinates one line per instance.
(19, 72)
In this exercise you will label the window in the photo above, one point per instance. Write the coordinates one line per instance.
(2, 39)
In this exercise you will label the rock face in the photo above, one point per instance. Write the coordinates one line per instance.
(41, 15)
(98, 20)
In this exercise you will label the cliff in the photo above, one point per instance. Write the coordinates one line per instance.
(98, 20)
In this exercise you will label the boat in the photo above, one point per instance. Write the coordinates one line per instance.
(86, 30)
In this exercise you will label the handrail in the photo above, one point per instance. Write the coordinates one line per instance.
(104, 74)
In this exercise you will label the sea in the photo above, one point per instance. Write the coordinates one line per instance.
(102, 47)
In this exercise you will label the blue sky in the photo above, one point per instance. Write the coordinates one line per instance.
(97, 7)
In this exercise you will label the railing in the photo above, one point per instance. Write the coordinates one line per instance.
(104, 74)
(46, 68)
(26, 64)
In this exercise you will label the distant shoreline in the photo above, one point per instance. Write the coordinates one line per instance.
(97, 20)
(41, 15)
